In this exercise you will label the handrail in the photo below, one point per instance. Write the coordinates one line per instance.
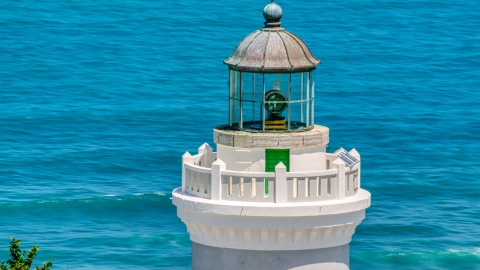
(355, 167)
(330, 172)
(197, 168)
(248, 174)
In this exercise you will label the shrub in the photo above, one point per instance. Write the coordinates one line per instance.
(18, 260)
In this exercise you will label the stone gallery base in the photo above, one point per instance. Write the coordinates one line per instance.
(213, 258)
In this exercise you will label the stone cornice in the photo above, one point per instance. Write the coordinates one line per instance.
(359, 201)
(271, 238)
(318, 136)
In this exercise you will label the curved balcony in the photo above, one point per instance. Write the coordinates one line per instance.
(206, 177)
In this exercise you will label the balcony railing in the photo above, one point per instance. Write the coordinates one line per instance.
(206, 177)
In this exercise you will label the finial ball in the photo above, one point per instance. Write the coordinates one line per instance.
(272, 12)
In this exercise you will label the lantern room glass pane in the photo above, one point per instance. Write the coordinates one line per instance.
(271, 102)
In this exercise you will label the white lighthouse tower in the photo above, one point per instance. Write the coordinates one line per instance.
(271, 197)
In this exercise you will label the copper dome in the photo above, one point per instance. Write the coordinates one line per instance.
(272, 49)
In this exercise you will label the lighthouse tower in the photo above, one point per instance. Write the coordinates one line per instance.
(271, 197)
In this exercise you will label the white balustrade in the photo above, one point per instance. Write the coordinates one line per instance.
(247, 186)
(205, 176)
(198, 181)
(312, 186)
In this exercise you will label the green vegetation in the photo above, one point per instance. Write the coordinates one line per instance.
(18, 260)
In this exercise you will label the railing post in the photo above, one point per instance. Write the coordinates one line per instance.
(356, 155)
(216, 186)
(186, 158)
(280, 183)
(339, 165)
(206, 151)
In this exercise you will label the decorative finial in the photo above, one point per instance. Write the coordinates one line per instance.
(272, 14)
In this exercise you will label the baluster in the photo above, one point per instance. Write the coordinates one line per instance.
(205, 182)
(254, 187)
(307, 187)
(329, 185)
(192, 180)
(313, 182)
(247, 185)
(295, 187)
(348, 182)
(265, 187)
(325, 187)
(241, 186)
(197, 176)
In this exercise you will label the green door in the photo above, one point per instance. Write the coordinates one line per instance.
(272, 158)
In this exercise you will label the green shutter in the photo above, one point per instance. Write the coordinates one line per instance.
(272, 158)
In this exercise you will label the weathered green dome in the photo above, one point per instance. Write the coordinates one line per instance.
(272, 49)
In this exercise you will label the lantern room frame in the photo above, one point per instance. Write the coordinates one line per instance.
(247, 92)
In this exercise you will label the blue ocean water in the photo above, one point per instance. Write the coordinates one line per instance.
(99, 100)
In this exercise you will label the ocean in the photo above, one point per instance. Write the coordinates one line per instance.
(100, 99)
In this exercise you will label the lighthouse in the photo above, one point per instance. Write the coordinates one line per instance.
(271, 197)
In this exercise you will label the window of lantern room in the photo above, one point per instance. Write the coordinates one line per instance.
(270, 102)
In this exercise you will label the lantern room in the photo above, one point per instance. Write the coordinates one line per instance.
(271, 80)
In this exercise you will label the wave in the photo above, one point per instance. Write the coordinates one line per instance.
(104, 202)
(467, 258)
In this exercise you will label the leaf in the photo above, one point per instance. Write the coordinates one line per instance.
(18, 260)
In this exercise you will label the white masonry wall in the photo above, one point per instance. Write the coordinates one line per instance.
(253, 159)
(213, 258)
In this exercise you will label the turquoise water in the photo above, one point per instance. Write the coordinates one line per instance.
(99, 100)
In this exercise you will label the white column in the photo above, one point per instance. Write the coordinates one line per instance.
(235, 95)
(230, 96)
(206, 151)
(289, 98)
(186, 158)
(263, 105)
(307, 120)
(241, 100)
(356, 155)
(280, 183)
(312, 97)
(254, 97)
(339, 165)
(217, 167)
(301, 96)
